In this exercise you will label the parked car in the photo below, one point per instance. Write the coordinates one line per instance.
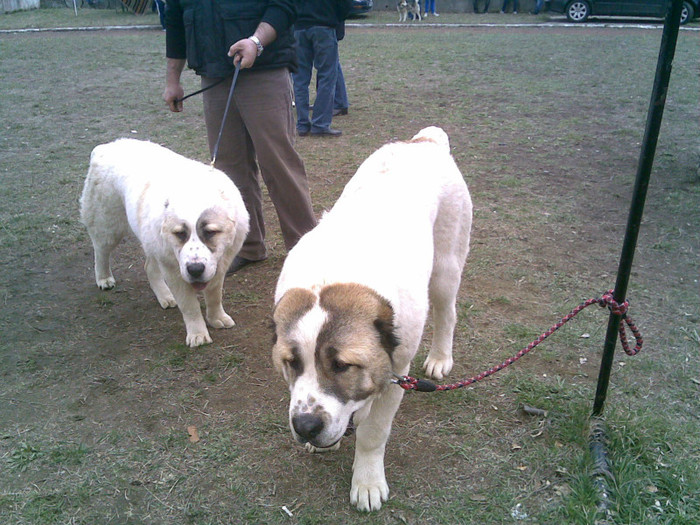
(361, 7)
(580, 10)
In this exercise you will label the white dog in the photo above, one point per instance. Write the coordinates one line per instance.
(354, 294)
(408, 6)
(189, 217)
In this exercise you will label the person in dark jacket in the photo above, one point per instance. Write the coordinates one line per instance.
(211, 36)
(317, 46)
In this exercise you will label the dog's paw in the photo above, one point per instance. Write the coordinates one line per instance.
(221, 321)
(106, 284)
(320, 450)
(195, 340)
(167, 302)
(367, 495)
(437, 368)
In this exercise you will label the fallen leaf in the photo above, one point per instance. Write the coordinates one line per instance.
(477, 497)
(194, 435)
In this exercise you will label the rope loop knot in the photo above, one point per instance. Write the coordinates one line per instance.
(606, 300)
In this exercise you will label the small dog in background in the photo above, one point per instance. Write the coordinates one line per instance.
(189, 217)
(405, 7)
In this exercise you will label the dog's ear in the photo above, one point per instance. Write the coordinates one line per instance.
(292, 307)
(384, 323)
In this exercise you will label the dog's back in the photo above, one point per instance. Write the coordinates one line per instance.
(128, 176)
(405, 198)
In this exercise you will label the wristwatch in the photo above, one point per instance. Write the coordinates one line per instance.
(257, 42)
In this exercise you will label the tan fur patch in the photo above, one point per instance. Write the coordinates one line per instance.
(421, 139)
(212, 224)
(352, 356)
(140, 214)
(292, 307)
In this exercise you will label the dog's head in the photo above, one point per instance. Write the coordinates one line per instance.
(334, 348)
(200, 243)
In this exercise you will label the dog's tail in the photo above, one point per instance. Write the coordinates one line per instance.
(433, 134)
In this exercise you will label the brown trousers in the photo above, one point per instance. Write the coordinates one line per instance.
(258, 137)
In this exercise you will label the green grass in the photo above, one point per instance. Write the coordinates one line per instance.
(98, 389)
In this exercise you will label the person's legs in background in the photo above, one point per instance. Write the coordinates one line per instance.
(325, 60)
(302, 78)
(340, 98)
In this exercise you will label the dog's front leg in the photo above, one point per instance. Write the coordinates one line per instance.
(160, 289)
(216, 316)
(197, 333)
(369, 487)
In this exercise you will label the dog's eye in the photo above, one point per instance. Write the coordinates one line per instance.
(294, 363)
(182, 234)
(340, 366)
(208, 234)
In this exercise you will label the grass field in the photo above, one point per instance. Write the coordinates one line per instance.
(97, 389)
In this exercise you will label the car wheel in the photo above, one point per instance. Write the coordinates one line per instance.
(686, 13)
(578, 11)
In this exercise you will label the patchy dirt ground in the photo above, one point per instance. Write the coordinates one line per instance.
(98, 389)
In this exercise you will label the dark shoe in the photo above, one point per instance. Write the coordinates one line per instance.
(240, 262)
(341, 111)
(303, 132)
(330, 132)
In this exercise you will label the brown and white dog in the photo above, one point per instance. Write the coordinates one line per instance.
(404, 7)
(353, 298)
(189, 217)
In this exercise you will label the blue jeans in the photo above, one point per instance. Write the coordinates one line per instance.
(430, 6)
(316, 47)
(538, 6)
(340, 99)
(505, 5)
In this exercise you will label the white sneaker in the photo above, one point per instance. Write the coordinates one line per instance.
(435, 14)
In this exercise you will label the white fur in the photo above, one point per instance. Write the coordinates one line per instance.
(401, 227)
(140, 186)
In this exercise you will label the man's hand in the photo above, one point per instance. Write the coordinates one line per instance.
(173, 95)
(244, 52)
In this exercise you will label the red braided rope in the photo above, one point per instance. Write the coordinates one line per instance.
(411, 383)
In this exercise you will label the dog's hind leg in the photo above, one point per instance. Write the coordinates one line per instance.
(215, 315)
(102, 213)
(105, 237)
(158, 285)
(452, 245)
(444, 285)
(103, 270)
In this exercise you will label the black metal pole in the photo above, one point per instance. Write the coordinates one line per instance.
(646, 160)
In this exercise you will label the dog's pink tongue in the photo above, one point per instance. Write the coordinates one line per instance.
(199, 286)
